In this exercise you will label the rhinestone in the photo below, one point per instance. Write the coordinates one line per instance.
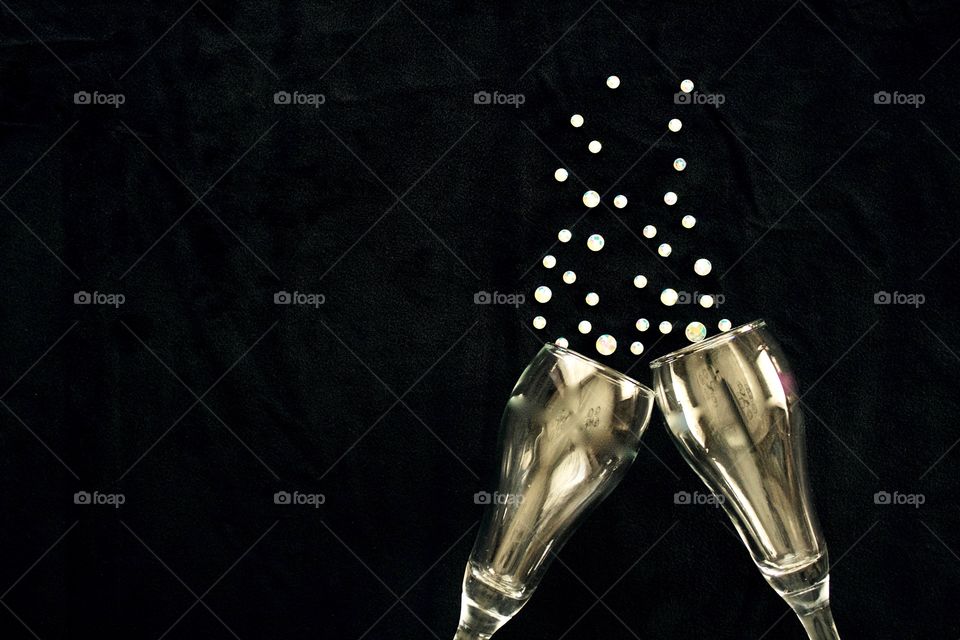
(549, 262)
(561, 342)
(591, 199)
(665, 327)
(640, 282)
(724, 325)
(670, 198)
(543, 294)
(613, 82)
(620, 202)
(594, 146)
(576, 120)
(560, 174)
(569, 277)
(669, 297)
(564, 235)
(679, 164)
(674, 125)
(592, 299)
(643, 324)
(649, 231)
(606, 344)
(686, 86)
(696, 332)
(688, 222)
(636, 348)
(664, 249)
(595, 242)
(706, 301)
(584, 326)
(539, 322)
(702, 267)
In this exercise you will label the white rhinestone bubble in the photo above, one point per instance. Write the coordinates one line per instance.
(674, 125)
(606, 344)
(561, 342)
(564, 235)
(706, 301)
(688, 222)
(679, 164)
(669, 297)
(613, 82)
(686, 86)
(702, 267)
(664, 250)
(670, 198)
(649, 231)
(724, 325)
(576, 120)
(595, 242)
(549, 262)
(591, 199)
(560, 174)
(640, 282)
(584, 327)
(620, 202)
(543, 294)
(592, 299)
(569, 277)
(695, 332)
(594, 146)
(665, 327)
(636, 348)
(539, 322)
(643, 324)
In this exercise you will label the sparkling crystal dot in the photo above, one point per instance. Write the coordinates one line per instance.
(613, 82)
(543, 294)
(592, 299)
(679, 164)
(724, 325)
(643, 324)
(594, 146)
(688, 222)
(606, 344)
(569, 277)
(665, 327)
(669, 297)
(674, 125)
(702, 267)
(649, 231)
(564, 235)
(560, 174)
(595, 242)
(686, 86)
(549, 262)
(584, 326)
(620, 202)
(636, 348)
(576, 120)
(664, 249)
(706, 301)
(539, 322)
(591, 199)
(640, 282)
(670, 198)
(695, 332)
(561, 342)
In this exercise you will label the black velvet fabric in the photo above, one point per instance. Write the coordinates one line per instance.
(199, 400)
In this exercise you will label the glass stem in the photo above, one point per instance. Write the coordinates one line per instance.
(819, 624)
(465, 634)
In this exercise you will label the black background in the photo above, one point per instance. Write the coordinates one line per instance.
(399, 199)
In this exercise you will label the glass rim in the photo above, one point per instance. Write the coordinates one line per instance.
(607, 372)
(709, 343)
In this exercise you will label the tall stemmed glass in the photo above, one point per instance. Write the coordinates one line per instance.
(731, 405)
(569, 432)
